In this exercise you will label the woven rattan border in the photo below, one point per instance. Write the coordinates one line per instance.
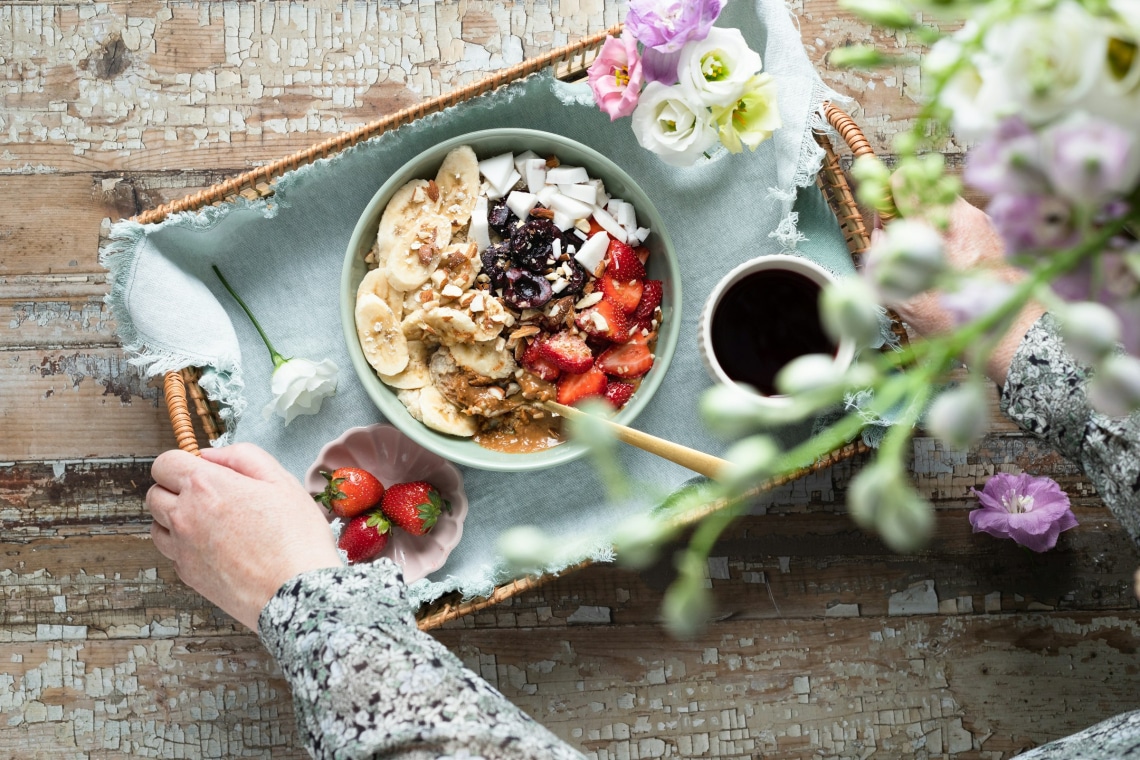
(186, 402)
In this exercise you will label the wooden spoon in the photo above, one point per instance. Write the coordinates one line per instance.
(697, 461)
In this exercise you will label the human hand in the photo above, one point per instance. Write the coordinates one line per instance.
(236, 525)
(971, 243)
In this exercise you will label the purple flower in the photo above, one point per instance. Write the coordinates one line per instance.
(666, 25)
(974, 298)
(661, 67)
(1008, 161)
(1119, 290)
(1032, 511)
(1090, 161)
(1032, 222)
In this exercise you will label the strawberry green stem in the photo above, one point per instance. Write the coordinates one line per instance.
(277, 358)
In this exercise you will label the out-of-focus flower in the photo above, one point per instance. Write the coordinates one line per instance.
(1090, 329)
(1008, 161)
(671, 126)
(1032, 222)
(885, 13)
(906, 260)
(1117, 287)
(974, 298)
(959, 416)
(666, 25)
(1032, 511)
(615, 76)
(300, 386)
(716, 69)
(1090, 161)
(1048, 61)
(879, 497)
(975, 98)
(687, 604)
(1115, 388)
(750, 119)
(849, 310)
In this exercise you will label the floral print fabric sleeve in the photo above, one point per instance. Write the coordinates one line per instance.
(367, 683)
(1045, 394)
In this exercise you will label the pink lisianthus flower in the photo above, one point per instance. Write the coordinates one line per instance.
(1032, 511)
(615, 76)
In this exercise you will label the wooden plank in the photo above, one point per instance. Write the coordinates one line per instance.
(149, 86)
(72, 404)
(914, 687)
(900, 688)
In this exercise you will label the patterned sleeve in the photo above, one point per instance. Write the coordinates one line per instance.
(1045, 394)
(367, 683)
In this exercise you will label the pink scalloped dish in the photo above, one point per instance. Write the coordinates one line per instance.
(394, 458)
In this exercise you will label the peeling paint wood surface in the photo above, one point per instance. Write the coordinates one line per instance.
(826, 645)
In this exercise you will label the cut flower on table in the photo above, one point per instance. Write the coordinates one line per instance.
(1032, 511)
(702, 83)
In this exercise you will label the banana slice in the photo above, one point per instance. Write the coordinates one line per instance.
(416, 374)
(441, 415)
(411, 401)
(458, 183)
(460, 262)
(375, 282)
(414, 257)
(380, 334)
(485, 359)
(450, 325)
(402, 215)
(413, 325)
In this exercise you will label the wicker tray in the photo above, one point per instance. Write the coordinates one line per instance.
(187, 403)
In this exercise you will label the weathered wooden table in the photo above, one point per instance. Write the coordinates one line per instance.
(828, 645)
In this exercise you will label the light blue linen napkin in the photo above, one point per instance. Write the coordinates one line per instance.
(283, 255)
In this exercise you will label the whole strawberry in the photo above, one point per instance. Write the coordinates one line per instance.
(415, 507)
(351, 491)
(365, 537)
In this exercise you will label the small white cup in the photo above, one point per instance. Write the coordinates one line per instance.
(845, 351)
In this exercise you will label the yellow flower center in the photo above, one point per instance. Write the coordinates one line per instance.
(621, 76)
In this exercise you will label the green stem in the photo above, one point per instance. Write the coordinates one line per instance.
(277, 358)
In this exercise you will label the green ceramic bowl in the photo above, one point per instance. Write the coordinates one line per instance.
(662, 265)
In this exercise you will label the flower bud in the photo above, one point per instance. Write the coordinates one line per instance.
(959, 416)
(1091, 330)
(637, 540)
(884, 13)
(879, 497)
(687, 604)
(874, 180)
(865, 492)
(526, 547)
(811, 372)
(1115, 389)
(906, 522)
(749, 460)
(906, 261)
(849, 310)
(856, 56)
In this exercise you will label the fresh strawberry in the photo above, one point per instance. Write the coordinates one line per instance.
(618, 393)
(626, 295)
(646, 310)
(365, 537)
(350, 491)
(622, 262)
(642, 253)
(574, 388)
(415, 507)
(567, 352)
(627, 360)
(604, 320)
(538, 365)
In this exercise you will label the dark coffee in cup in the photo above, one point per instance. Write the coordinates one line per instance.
(764, 321)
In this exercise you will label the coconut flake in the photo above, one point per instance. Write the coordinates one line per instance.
(562, 222)
(521, 203)
(586, 193)
(626, 216)
(642, 234)
(535, 173)
(572, 208)
(592, 252)
(498, 170)
(522, 158)
(479, 231)
(609, 224)
(566, 175)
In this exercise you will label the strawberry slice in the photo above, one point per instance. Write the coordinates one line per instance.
(627, 360)
(538, 365)
(646, 311)
(622, 262)
(573, 388)
(626, 295)
(567, 352)
(618, 393)
(604, 320)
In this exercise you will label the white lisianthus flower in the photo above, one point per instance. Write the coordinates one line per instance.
(672, 126)
(752, 117)
(715, 70)
(976, 97)
(1116, 95)
(299, 386)
(1048, 61)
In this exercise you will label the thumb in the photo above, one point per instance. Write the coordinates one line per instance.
(249, 460)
